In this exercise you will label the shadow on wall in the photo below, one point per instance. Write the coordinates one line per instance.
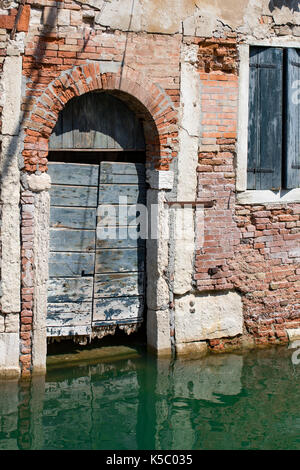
(38, 56)
(293, 5)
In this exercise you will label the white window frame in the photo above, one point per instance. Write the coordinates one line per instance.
(244, 195)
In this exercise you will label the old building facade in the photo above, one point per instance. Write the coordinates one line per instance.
(215, 88)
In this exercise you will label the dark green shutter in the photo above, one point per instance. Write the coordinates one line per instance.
(265, 118)
(292, 122)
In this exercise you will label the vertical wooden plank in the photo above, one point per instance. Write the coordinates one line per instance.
(55, 141)
(83, 135)
(139, 139)
(67, 121)
(253, 134)
(292, 121)
(124, 127)
(271, 90)
(110, 120)
(100, 110)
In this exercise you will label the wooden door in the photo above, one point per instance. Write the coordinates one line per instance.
(73, 210)
(97, 121)
(119, 283)
(94, 281)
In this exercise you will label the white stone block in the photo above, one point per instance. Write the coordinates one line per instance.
(12, 322)
(158, 331)
(38, 183)
(109, 66)
(184, 236)
(11, 82)
(35, 16)
(160, 179)
(293, 334)
(76, 18)
(2, 325)
(63, 17)
(209, 316)
(9, 354)
(10, 196)
(191, 349)
(157, 247)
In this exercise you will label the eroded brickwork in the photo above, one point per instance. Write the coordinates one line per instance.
(27, 281)
(251, 248)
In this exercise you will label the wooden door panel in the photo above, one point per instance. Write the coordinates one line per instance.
(118, 285)
(123, 168)
(66, 217)
(69, 313)
(118, 310)
(118, 237)
(71, 264)
(74, 174)
(94, 281)
(72, 240)
(110, 194)
(77, 289)
(73, 195)
(77, 196)
(120, 260)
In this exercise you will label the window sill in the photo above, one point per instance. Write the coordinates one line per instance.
(266, 197)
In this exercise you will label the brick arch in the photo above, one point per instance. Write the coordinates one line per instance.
(150, 100)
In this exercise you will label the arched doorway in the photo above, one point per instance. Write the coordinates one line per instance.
(96, 258)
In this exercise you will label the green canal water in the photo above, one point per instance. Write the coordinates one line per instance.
(122, 398)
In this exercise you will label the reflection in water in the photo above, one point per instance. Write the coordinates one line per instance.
(217, 402)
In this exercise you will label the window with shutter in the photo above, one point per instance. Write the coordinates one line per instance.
(265, 118)
(292, 121)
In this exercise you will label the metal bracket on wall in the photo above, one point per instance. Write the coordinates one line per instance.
(13, 31)
(205, 204)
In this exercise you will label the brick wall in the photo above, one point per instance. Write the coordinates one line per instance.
(251, 248)
(61, 39)
(65, 56)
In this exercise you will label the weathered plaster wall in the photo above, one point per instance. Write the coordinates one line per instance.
(11, 146)
(203, 18)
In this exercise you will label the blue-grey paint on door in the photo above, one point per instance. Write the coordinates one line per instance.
(94, 282)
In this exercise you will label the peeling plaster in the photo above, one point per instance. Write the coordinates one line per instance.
(202, 18)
